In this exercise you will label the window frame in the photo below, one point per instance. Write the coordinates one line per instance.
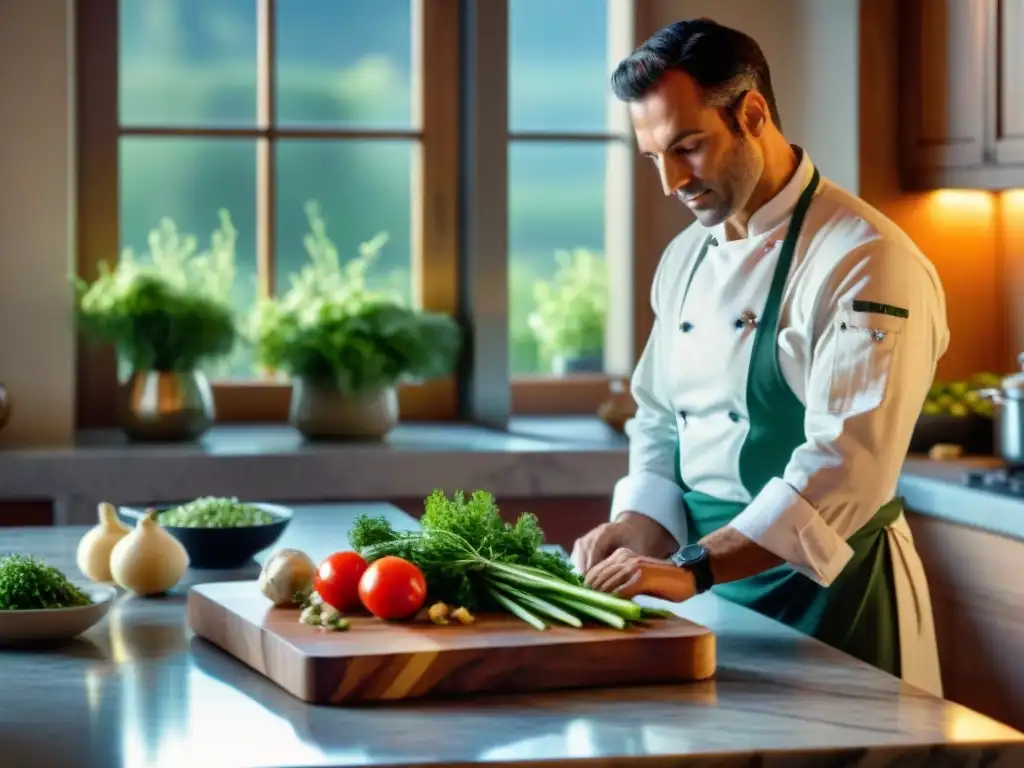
(434, 184)
(464, 140)
(632, 251)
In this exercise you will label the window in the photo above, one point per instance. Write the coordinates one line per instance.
(570, 217)
(275, 111)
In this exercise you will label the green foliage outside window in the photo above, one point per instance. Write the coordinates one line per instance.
(569, 318)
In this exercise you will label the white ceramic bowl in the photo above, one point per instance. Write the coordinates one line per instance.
(57, 623)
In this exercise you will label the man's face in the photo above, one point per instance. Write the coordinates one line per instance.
(712, 169)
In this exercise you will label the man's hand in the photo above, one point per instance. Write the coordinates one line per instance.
(628, 574)
(630, 530)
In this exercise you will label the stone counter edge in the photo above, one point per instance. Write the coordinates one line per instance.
(542, 457)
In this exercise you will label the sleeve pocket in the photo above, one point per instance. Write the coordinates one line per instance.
(865, 346)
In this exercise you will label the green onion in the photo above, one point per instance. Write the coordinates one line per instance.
(627, 609)
(518, 610)
(609, 618)
(543, 606)
(655, 613)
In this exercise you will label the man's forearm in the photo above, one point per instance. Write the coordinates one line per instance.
(733, 556)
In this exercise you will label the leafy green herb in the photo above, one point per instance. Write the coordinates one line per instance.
(215, 512)
(331, 330)
(471, 557)
(337, 624)
(172, 313)
(570, 311)
(29, 584)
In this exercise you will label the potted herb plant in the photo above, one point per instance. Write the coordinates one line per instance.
(345, 347)
(165, 317)
(568, 321)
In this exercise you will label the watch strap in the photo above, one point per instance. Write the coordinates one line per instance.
(697, 560)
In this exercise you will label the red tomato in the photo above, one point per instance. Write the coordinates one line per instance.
(337, 580)
(393, 588)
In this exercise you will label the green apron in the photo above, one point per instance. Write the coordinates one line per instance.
(857, 613)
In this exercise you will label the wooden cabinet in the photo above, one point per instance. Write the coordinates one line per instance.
(962, 94)
(976, 581)
(1008, 23)
(27, 512)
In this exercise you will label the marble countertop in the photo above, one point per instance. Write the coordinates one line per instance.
(139, 690)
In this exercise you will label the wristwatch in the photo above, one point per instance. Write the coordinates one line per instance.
(697, 560)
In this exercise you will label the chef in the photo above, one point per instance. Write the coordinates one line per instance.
(796, 333)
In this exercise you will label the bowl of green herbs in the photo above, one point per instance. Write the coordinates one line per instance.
(220, 532)
(39, 603)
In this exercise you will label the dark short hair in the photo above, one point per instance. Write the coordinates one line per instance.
(725, 62)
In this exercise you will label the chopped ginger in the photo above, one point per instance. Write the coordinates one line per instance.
(462, 615)
(438, 613)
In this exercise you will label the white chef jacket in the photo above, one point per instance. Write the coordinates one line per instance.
(862, 387)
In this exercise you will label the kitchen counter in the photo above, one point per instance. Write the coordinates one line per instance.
(537, 457)
(139, 690)
(937, 489)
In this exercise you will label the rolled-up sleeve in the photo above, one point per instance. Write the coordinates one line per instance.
(879, 330)
(650, 487)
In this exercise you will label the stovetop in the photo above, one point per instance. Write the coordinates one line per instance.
(1005, 481)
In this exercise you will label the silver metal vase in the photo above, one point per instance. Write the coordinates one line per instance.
(166, 406)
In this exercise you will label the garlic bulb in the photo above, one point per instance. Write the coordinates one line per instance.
(93, 555)
(149, 560)
(286, 574)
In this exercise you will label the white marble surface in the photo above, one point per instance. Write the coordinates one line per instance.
(139, 691)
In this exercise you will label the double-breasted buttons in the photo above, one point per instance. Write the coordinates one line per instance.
(746, 318)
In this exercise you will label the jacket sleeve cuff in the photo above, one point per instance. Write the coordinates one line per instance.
(654, 496)
(781, 521)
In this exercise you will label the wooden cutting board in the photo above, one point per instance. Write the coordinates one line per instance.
(376, 660)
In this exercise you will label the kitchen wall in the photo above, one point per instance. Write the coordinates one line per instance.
(833, 67)
(36, 219)
(975, 238)
(837, 97)
(818, 104)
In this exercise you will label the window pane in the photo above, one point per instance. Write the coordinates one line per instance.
(362, 189)
(557, 203)
(188, 62)
(558, 65)
(344, 63)
(189, 181)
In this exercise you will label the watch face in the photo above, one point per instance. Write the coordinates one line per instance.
(691, 553)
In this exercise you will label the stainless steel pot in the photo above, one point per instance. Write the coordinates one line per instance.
(1009, 417)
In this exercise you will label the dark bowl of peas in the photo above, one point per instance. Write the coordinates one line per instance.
(219, 532)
